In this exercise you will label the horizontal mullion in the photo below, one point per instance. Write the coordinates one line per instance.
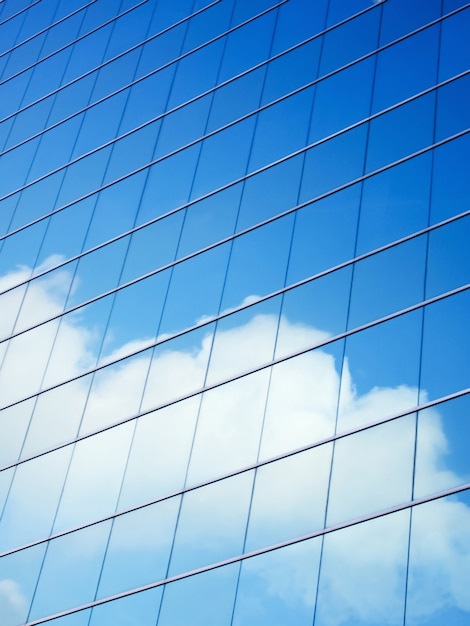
(207, 136)
(239, 233)
(47, 28)
(138, 79)
(220, 85)
(165, 66)
(255, 67)
(71, 43)
(120, 55)
(120, 90)
(202, 95)
(248, 555)
(177, 209)
(259, 368)
(248, 468)
(19, 12)
(243, 307)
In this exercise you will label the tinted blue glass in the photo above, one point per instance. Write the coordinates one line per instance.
(450, 189)
(290, 30)
(292, 70)
(452, 114)
(334, 163)
(201, 599)
(338, 103)
(446, 341)
(233, 329)
(392, 369)
(324, 234)
(406, 68)
(351, 576)
(448, 258)
(394, 136)
(454, 52)
(342, 45)
(426, 599)
(386, 213)
(265, 593)
(388, 282)
(400, 18)
(440, 446)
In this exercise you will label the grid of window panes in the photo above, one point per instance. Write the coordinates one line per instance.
(234, 312)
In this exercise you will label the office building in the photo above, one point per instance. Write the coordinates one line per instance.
(234, 338)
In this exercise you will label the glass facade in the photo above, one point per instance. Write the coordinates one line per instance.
(234, 312)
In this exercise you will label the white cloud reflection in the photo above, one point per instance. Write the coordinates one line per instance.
(12, 602)
(363, 566)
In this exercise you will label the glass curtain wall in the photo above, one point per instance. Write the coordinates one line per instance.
(234, 306)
